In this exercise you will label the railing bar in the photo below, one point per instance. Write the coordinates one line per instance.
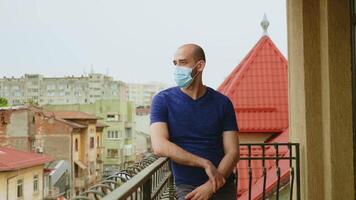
(161, 185)
(298, 171)
(278, 182)
(136, 181)
(268, 158)
(291, 183)
(291, 172)
(269, 144)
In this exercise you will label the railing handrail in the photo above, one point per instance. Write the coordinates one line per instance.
(136, 181)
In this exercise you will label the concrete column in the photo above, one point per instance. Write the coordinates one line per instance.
(320, 96)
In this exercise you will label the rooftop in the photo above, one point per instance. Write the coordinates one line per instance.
(12, 159)
(258, 88)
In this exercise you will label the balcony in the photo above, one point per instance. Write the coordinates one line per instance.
(265, 171)
(81, 182)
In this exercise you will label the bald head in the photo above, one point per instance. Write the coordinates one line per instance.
(195, 51)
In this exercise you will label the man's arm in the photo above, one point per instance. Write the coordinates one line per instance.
(232, 153)
(227, 164)
(163, 147)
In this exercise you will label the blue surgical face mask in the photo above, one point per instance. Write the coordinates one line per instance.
(183, 76)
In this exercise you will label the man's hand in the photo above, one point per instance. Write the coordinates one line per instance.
(215, 177)
(203, 192)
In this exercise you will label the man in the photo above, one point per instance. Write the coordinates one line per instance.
(195, 126)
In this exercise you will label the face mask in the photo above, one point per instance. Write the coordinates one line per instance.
(183, 76)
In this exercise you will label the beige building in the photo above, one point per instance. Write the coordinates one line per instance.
(141, 94)
(72, 138)
(42, 90)
(21, 174)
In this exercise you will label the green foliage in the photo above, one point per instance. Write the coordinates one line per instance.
(3, 102)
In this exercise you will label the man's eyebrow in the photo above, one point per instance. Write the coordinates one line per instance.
(181, 60)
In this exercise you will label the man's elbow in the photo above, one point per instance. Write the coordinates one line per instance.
(158, 151)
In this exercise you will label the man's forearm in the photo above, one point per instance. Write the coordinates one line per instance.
(181, 156)
(228, 163)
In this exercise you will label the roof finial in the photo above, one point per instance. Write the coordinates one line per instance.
(265, 24)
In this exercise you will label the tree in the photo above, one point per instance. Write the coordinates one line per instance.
(3, 102)
(32, 102)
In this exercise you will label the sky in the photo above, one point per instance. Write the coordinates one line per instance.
(134, 40)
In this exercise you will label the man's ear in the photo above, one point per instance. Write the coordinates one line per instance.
(201, 65)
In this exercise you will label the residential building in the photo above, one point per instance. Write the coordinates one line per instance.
(141, 94)
(21, 174)
(142, 139)
(117, 141)
(37, 89)
(71, 138)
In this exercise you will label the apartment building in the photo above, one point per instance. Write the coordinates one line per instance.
(40, 90)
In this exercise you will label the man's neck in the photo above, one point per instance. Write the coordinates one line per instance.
(196, 90)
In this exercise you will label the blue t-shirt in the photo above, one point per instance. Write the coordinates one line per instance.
(196, 126)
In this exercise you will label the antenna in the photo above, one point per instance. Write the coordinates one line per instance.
(265, 25)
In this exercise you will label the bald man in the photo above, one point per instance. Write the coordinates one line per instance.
(195, 126)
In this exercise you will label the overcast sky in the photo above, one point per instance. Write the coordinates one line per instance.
(133, 40)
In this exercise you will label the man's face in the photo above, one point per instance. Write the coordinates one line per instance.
(184, 57)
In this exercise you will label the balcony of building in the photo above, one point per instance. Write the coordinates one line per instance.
(265, 171)
(81, 182)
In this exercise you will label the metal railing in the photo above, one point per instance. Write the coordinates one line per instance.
(152, 183)
(150, 178)
(264, 170)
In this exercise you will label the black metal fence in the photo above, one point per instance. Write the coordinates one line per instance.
(264, 170)
(152, 183)
(148, 179)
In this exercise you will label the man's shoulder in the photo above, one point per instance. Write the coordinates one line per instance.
(166, 91)
(163, 94)
(218, 95)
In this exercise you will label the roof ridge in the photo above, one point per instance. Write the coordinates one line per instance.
(254, 52)
(238, 67)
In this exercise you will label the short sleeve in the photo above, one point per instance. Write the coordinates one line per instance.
(230, 123)
(159, 112)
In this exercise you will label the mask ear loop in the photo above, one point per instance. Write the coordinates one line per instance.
(193, 78)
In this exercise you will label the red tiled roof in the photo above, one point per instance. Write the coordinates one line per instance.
(12, 159)
(258, 88)
(74, 115)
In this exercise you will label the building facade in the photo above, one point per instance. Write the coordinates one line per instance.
(117, 141)
(141, 94)
(37, 89)
(71, 138)
(21, 174)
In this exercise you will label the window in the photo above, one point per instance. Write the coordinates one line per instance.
(116, 134)
(128, 132)
(20, 188)
(113, 153)
(76, 144)
(112, 117)
(91, 142)
(113, 134)
(97, 141)
(35, 183)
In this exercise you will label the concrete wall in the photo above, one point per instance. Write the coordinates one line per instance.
(320, 96)
(8, 183)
